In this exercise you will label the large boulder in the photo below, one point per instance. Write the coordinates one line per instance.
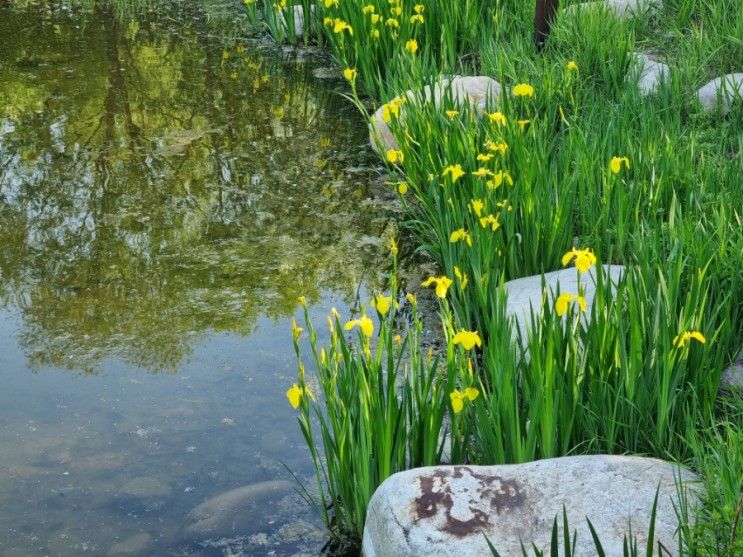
(721, 92)
(476, 91)
(448, 510)
(621, 8)
(649, 73)
(524, 295)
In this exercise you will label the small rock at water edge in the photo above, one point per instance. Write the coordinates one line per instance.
(477, 91)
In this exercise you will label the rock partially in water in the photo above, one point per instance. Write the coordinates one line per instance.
(137, 544)
(448, 510)
(239, 510)
(524, 295)
(298, 20)
(145, 488)
(476, 91)
(721, 92)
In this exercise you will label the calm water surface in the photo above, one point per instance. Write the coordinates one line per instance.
(167, 189)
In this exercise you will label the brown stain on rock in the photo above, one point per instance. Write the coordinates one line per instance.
(502, 495)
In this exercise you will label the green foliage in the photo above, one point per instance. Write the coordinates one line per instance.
(379, 410)
(581, 160)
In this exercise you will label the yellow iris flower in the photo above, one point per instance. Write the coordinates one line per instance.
(365, 324)
(523, 90)
(350, 74)
(497, 118)
(455, 170)
(685, 338)
(295, 394)
(565, 299)
(468, 339)
(458, 397)
(381, 304)
(584, 258)
(461, 235)
(616, 164)
(442, 284)
(395, 156)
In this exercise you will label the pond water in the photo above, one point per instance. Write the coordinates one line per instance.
(168, 188)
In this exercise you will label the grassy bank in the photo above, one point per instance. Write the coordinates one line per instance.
(571, 157)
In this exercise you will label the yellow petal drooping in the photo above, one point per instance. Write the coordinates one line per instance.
(457, 401)
(294, 394)
(684, 338)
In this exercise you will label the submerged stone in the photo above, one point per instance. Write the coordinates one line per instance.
(144, 487)
(476, 91)
(448, 510)
(721, 92)
(239, 510)
(134, 545)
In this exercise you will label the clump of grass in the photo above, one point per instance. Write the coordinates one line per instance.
(379, 410)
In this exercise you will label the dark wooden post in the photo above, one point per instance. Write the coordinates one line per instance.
(544, 14)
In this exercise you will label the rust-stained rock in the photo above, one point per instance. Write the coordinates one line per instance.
(448, 510)
(477, 91)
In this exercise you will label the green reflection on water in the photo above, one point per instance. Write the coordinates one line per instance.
(159, 181)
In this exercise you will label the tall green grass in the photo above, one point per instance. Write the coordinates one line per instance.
(581, 160)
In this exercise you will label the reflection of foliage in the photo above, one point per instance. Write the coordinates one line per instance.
(155, 184)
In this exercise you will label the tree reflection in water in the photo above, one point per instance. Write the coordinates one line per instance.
(160, 179)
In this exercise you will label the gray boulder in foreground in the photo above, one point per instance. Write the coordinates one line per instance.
(448, 510)
(525, 294)
(476, 91)
(721, 92)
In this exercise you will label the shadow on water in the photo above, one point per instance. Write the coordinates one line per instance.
(168, 188)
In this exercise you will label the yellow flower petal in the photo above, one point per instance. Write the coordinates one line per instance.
(294, 394)
(468, 339)
(457, 401)
(471, 393)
